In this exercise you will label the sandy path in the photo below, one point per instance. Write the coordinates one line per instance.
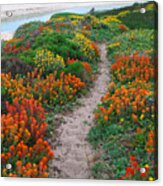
(73, 155)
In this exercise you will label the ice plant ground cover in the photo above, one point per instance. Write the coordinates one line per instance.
(49, 66)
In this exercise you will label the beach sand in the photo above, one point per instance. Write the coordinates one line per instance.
(22, 11)
(26, 11)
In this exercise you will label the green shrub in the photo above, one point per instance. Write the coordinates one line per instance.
(136, 20)
(119, 137)
(131, 16)
(131, 8)
(132, 41)
(58, 43)
(15, 66)
(3, 99)
(116, 146)
(77, 69)
(105, 34)
(65, 14)
(27, 56)
(27, 28)
(48, 62)
(87, 47)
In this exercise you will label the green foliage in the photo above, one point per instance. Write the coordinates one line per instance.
(116, 146)
(58, 43)
(27, 56)
(48, 62)
(27, 28)
(136, 20)
(132, 41)
(65, 36)
(99, 168)
(133, 18)
(132, 8)
(77, 69)
(3, 91)
(4, 97)
(65, 14)
(117, 138)
(105, 34)
(15, 66)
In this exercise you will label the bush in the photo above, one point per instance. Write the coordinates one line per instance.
(47, 62)
(27, 57)
(14, 47)
(79, 69)
(58, 43)
(132, 17)
(23, 143)
(132, 41)
(4, 98)
(65, 14)
(105, 34)
(127, 69)
(136, 20)
(119, 135)
(75, 68)
(127, 9)
(27, 28)
(15, 66)
(126, 122)
(49, 90)
(87, 47)
(108, 27)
